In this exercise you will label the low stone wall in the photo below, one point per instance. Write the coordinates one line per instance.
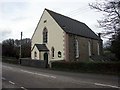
(33, 63)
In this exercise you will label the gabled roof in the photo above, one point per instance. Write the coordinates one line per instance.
(72, 26)
(41, 47)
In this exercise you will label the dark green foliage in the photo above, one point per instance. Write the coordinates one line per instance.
(115, 46)
(10, 60)
(11, 48)
(109, 68)
(26, 49)
(7, 47)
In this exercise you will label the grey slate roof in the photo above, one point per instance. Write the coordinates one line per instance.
(41, 47)
(73, 26)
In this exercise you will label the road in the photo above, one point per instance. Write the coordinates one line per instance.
(16, 76)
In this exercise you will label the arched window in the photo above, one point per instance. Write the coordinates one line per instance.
(76, 48)
(45, 35)
(89, 48)
(52, 52)
(59, 54)
(98, 48)
(35, 54)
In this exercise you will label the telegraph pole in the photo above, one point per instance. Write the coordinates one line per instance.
(20, 44)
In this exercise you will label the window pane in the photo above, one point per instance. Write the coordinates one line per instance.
(45, 35)
(59, 54)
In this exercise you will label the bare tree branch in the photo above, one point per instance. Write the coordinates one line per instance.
(111, 12)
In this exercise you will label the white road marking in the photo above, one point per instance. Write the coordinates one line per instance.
(3, 78)
(7, 67)
(45, 75)
(42, 75)
(52, 76)
(11, 82)
(23, 88)
(38, 74)
(106, 85)
(27, 71)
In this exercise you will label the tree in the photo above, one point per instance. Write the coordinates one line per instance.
(111, 11)
(11, 48)
(7, 47)
(110, 22)
(26, 47)
(115, 46)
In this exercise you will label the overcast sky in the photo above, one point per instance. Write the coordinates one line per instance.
(23, 15)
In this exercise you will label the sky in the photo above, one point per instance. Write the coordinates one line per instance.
(18, 16)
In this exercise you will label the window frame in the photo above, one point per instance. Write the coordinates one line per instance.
(76, 48)
(45, 35)
(59, 54)
(98, 48)
(53, 52)
(89, 48)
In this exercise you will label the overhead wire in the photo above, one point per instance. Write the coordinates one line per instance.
(75, 12)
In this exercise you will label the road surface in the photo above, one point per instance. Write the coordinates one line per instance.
(16, 76)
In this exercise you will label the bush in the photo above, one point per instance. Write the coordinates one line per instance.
(98, 67)
(10, 60)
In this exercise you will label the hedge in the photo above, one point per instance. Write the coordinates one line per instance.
(10, 60)
(98, 67)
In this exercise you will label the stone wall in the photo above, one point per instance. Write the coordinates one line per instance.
(83, 48)
(33, 63)
(71, 53)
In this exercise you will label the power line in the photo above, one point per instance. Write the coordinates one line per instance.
(78, 11)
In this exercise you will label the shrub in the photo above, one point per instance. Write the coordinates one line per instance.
(98, 67)
(10, 60)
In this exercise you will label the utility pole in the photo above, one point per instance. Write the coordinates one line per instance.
(20, 44)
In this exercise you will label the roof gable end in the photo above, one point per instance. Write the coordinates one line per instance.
(72, 26)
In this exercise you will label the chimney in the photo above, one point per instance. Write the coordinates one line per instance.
(99, 35)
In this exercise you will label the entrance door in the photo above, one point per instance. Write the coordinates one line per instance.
(46, 59)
